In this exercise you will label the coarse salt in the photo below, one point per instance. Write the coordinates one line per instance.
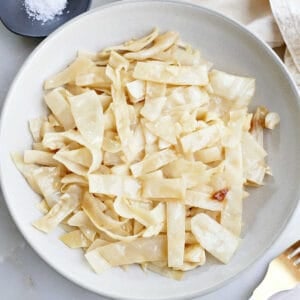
(44, 10)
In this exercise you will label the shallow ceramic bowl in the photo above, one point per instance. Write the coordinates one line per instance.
(232, 48)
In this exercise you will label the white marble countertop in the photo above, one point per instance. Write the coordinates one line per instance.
(24, 275)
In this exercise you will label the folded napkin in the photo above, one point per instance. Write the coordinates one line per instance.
(277, 22)
(287, 16)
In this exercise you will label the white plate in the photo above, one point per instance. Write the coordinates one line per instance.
(231, 48)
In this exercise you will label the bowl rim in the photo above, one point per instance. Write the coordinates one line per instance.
(28, 60)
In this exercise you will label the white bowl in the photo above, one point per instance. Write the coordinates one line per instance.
(232, 48)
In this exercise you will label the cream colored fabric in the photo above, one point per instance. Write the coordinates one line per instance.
(277, 22)
(255, 14)
(289, 62)
(287, 16)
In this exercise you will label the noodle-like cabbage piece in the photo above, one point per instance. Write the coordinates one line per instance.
(231, 216)
(59, 105)
(163, 270)
(92, 207)
(164, 73)
(73, 166)
(88, 115)
(254, 166)
(214, 238)
(173, 188)
(153, 108)
(73, 178)
(133, 209)
(67, 203)
(208, 155)
(201, 138)
(180, 56)
(202, 200)
(161, 43)
(164, 129)
(39, 157)
(48, 181)
(136, 90)
(152, 162)
(96, 261)
(95, 77)
(137, 251)
(80, 66)
(175, 232)
(61, 139)
(35, 126)
(121, 114)
(81, 220)
(238, 89)
(194, 173)
(117, 185)
(27, 170)
(195, 254)
(136, 45)
(75, 239)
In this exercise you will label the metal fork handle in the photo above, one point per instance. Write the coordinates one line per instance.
(272, 284)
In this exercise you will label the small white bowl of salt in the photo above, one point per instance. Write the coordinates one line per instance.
(38, 18)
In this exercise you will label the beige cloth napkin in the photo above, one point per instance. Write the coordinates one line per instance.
(277, 22)
(287, 16)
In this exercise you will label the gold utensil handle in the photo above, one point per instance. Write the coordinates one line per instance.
(276, 280)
